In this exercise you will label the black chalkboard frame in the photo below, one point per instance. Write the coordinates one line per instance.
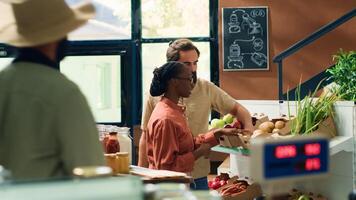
(239, 41)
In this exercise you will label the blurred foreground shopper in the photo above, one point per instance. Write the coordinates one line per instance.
(46, 127)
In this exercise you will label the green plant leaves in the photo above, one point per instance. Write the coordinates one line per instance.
(310, 111)
(344, 74)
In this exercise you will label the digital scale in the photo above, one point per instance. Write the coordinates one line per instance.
(283, 164)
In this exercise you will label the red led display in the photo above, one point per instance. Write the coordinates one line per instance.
(312, 149)
(312, 164)
(285, 151)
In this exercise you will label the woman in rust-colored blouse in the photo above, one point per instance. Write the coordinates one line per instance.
(170, 144)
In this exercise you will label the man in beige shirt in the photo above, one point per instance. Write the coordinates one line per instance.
(205, 96)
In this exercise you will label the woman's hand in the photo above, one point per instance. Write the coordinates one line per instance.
(203, 150)
(225, 131)
(231, 131)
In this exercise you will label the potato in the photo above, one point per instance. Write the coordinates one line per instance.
(276, 130)
(266, 127)
(279, 124)
(259, 133)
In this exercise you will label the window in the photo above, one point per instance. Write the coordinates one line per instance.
(112, 21)
(98, 77)
(172, 18)
(164, 20)
(115, 83)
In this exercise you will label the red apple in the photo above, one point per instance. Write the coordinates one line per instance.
(228, 126)
(237, 124)
(210, 183)
(215, 185)
(217, 179)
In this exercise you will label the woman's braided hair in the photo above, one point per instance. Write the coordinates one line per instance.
(162, 75)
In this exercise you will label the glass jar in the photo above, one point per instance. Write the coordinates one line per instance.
(125, 141)
(119, 162)
(112, 145)
(123, 162)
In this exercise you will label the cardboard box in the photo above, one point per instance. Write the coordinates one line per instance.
(233, 141)
(326, 128)
(230, 141)
(259, 119)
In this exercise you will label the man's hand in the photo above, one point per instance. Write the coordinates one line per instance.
(142, 155)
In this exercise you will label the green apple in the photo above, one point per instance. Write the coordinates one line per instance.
(217, 123)
(209, 127)
(228, 119)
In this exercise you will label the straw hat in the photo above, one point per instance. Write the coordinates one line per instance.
(34, 22)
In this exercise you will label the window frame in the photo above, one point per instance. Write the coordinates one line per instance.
(131, 52)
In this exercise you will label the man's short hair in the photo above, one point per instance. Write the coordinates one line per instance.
(179, 45)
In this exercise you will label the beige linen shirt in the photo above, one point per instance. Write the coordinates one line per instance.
(205, 97)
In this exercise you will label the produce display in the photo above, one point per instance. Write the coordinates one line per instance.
(228, 121)
(218, 181)
(272, 128)
(235, 188)
(228, 186)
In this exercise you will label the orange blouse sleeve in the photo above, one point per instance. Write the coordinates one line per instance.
(166, 149)
(205, 138)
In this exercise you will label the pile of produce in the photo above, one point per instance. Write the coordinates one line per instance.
(235, 188)
(265, 129)
(227, 186)
(218, 181)
(228, 121)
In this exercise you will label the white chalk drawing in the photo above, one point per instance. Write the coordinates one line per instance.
(255, 28)
(257, 13)
(235, 58)
(257, 44)
(234, 24)
(257, 57)
(245, 37)
(247, 22)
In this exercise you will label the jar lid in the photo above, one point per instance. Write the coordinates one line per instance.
(113, 155)
(92, 171)
(122, 153)
(112, 133)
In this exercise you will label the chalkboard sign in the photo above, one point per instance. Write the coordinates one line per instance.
(245, 38)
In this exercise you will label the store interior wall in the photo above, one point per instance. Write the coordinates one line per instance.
(288, 22)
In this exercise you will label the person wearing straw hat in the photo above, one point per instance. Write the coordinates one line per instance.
(46, 127)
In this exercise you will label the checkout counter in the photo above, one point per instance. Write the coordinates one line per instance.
(276, 165)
